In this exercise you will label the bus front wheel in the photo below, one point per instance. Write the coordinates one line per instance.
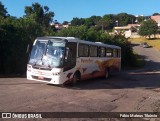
(76, 78)
(107, 73)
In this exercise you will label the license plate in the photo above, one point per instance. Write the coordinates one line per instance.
(40, 77)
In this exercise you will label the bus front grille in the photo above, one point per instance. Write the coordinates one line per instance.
(41, 78)
(42, 68)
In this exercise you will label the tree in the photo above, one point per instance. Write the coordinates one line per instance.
(140, 19)
(17, 33)
(41, 14)
(12, 47)
(148, 28)
(107, 22)
(77, 21)
(65, 22)
(3, 10)
(73, 31)
(92, 35)
(92, 21)
(89, 22)
(125, 19)
(155, 14)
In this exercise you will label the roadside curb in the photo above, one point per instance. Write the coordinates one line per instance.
(12, 76)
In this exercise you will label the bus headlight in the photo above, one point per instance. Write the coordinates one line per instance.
(29, 67)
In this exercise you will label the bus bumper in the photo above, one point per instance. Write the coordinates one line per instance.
(53, 79)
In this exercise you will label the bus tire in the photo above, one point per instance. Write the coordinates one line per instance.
(107, 73)
(76, 78)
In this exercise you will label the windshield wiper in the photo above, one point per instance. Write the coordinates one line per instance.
(43, 54)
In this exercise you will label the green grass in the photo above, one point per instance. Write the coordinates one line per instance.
(155, 43)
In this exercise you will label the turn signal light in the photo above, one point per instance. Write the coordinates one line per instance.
(57, 73)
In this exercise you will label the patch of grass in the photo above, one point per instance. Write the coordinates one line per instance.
(155, 43)
(137, 40)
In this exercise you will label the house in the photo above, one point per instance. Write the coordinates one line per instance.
(135, 25)
(59, 26)
(66, 25)
(157, 19)
(125, 30)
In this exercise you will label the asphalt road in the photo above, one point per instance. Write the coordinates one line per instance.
(136, 90)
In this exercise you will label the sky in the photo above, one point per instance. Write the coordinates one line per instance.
(66, 10)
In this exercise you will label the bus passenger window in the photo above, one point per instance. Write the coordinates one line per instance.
(119, 53)
(109, 52)
(115, 53)
(102, 52)
(83, 50)
(93, 51)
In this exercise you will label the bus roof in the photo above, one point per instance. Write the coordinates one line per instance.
(74, 39)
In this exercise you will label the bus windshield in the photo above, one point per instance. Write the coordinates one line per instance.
(49, 53)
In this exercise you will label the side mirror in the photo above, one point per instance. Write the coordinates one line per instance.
(28, 48)
(67, 53)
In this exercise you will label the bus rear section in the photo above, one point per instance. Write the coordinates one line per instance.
(97, 59)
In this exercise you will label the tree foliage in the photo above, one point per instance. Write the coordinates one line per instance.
(77, 21)
(140, 19)
(148, 28)
(40, 14)
(65, 22)
(3, 10)
(78, 31)
(155, 14)
(92, 21)
(17, 33)
(124, 19)
(107, 22)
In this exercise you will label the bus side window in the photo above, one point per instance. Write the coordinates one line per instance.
(114, 52)
(93, 51)
(83, 50)
(109, 52)
(102, 52)
(70, 56)
(119, 53)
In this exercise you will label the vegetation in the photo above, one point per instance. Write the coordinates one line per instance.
(3, 11)
(107, 22)
(17, 33)
(154, 43)
(148, 28)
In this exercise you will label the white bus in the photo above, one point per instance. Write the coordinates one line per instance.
(62, 60)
